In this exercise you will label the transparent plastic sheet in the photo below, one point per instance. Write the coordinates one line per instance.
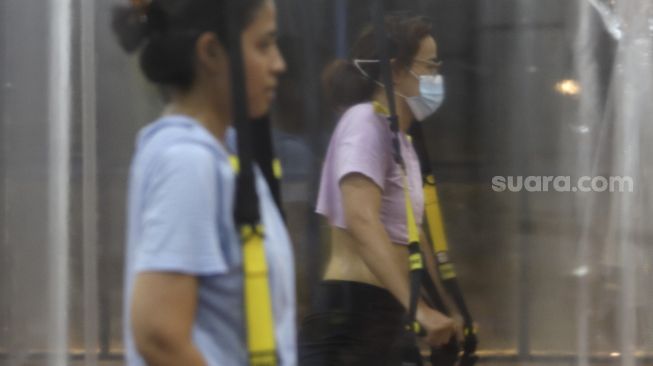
(615, 251)
(552, 278)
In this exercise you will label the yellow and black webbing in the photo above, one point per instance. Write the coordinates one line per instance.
(438, 237)
(416, 260)
(259, 319)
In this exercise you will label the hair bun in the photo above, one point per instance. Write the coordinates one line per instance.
(130, 25)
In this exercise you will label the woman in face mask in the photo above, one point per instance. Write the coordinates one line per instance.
(358, 310)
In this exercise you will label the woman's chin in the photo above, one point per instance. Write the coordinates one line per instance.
(259, 110)
(257, 115)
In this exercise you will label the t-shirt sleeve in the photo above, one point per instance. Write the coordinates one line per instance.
(179, 223)
(363, 147)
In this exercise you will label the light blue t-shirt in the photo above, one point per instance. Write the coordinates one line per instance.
(180, 219)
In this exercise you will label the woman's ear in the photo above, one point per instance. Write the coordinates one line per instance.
(210, 53)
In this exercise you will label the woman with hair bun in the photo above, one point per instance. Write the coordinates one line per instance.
(359, 309)
(183, 302)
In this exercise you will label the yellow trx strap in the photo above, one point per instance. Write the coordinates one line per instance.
(276, 168)
(446, 268)
(415, 254)
(411, 224)
(432, 207)
(415, 257)
(258, 303)
(436, 227)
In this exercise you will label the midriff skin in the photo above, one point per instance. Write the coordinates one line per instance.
(346, 264)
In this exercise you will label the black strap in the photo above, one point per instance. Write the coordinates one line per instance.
(416, 274)
(246, 205)
(470, 342)
(378, 17)
(265, 156)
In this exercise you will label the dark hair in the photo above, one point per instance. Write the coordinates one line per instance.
(345, 85)
(166, 31)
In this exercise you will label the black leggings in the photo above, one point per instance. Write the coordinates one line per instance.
(353, 324)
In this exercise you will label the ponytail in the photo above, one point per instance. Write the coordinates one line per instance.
(345, 85)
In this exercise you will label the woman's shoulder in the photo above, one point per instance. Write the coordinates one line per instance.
(363, 110)
(178, 145)
(178, 134)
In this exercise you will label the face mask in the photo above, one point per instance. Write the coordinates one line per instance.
(431, 92)
(430, 98)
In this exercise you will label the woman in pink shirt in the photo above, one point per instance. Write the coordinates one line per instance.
(358, 310)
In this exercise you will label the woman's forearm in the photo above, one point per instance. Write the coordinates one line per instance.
(432, 269)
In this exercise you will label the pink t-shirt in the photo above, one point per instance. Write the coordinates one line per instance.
(362, 143)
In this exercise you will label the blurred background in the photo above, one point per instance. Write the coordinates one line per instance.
(534, 88)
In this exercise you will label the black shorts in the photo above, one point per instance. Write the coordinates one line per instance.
(352, 324)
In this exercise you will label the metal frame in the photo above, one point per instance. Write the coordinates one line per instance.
(486, 358)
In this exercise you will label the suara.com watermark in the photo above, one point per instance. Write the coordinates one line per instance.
(562, 183)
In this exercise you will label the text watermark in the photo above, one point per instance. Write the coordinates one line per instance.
(562, 183)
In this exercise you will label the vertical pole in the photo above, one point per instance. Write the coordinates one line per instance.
(312, 254)
(89, 181)
(585, 165)
(5, 254)
(59, 112)
(341, 28)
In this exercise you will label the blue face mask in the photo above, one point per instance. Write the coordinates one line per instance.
(430, 98)
(431, 92)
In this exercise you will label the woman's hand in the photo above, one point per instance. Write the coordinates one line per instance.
(438, 327)
(460, 327)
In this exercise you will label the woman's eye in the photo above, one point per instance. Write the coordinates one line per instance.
(266, 44)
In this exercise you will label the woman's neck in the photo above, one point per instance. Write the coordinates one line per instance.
(403, 111)
(201, 108)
